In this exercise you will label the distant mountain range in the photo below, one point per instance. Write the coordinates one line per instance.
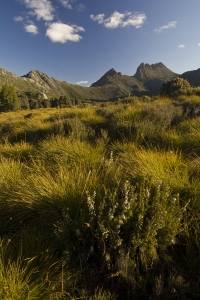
(112, 85)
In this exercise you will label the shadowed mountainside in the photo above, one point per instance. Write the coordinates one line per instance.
(193, 77)
(154, 75)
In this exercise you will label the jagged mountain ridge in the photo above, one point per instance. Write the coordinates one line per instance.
(112, 85)
(159, 70)
(147, 79)
(154, 75)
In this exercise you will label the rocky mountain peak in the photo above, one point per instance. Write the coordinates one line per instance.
(43, 80)
(147, 71)
(32, 74)
(111, 73)
(35, 75)
(105, 78)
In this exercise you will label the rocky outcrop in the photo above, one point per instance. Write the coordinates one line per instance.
(44, 81)
(159, 70)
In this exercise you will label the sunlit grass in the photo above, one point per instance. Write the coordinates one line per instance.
(162, 166)
(97, 202)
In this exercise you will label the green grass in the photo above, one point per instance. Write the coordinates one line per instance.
(100, 202)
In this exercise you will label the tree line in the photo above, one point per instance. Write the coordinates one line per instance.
(12, 100)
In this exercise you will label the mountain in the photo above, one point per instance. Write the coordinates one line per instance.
(154, 75)
(147, 80)
(112, 85)
(159, 70)
(38, 82)
(42, 80)
(120, 85)
(193, 77)
(107, 78)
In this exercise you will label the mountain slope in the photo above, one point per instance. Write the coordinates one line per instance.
(112, 85)
(193, 77)
(39, 82)
(122, 84)
(107, 78)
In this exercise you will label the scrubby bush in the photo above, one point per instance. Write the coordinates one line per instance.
(175, 87)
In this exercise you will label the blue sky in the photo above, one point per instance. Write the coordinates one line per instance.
(78, 41)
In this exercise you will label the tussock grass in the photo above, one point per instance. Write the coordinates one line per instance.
(100, 202)
(164, 166)
(21, 150)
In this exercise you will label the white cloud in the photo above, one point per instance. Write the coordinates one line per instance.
(62, 33)
(82, 82)
(66, 3)
(42, 9)
(114, 20)
(118, 19)
(166, 27)
(18, 19)
(181, 46)
(31, 28)
(99, 18)
(198, 44)
(136, 20)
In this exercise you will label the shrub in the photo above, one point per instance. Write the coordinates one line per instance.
(8, 98)
(175, 87)
(128, 221)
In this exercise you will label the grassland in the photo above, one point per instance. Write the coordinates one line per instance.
(101, 201)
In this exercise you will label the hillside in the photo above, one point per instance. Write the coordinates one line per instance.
(112, 85)
(121, 85)
(193, 77)
(39, 82)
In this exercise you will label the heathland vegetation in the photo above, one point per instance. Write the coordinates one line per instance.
(102, 201)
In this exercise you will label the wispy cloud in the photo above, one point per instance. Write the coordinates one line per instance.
(166, 27)
(120, 19)
(18, 19)
(181, 46)
(136, 20)
(81, 7)
(31, 28)
(99, 18)
(42, 9)
(63, 33)
(66, 3)
(82, 82)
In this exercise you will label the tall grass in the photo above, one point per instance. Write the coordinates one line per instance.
(100, 202)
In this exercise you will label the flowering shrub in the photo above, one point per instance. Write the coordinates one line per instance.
(126, 221)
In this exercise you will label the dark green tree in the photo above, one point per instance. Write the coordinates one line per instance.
(175, 87)
(8, 98)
